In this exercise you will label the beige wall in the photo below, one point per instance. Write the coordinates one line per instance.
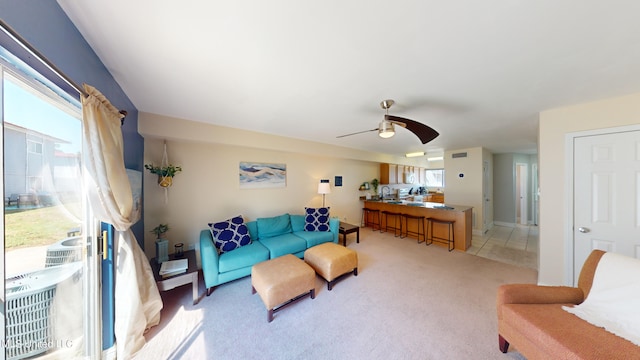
(208, 187)
(466, 190)
(554, 126)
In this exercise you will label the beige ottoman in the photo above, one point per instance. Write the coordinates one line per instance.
(331, 261)
(281, 281)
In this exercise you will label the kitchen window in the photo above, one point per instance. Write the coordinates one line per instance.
(435, 178)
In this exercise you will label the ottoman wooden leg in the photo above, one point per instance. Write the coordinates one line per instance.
(332, 282)
(311, 293)
(282, 281)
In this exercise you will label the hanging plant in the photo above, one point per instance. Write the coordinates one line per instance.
(375, 183)
(165, 173)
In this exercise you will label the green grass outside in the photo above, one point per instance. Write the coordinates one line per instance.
(36, 227)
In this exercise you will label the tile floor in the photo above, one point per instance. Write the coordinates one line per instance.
(514, 245)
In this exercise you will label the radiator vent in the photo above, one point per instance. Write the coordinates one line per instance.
(459, 155)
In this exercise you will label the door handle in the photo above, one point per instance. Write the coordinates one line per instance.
(584, 230)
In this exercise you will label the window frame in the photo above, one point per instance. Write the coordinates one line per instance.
(440, 172)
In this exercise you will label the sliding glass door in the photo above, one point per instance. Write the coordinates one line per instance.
(50, 294)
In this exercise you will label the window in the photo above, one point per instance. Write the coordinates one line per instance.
(34, 147)
(47, 269)
(435, 178)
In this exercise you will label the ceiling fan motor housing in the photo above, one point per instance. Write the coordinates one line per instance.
(386, 130)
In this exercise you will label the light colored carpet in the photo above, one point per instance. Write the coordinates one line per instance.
(409, 301)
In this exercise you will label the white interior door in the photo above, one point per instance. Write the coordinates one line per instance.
(485, 196)
(521, 194)
(606, 195)
(535, 188)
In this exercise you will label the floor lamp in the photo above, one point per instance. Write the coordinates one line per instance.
(324, 188)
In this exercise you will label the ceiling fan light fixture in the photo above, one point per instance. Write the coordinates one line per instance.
(385, 130)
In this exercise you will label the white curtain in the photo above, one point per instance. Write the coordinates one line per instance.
(137, 300)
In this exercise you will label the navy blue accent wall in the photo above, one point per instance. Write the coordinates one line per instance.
(47, 28)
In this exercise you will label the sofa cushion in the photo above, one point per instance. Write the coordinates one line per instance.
(314, 238)
(245, 256)
(284, 244)
(230, 234)
(297, 223)
(273, 226)
(316, 219)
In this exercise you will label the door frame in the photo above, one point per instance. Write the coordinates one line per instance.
(569, 274)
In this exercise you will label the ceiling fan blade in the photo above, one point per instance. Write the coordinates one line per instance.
(422, 131)
(359, 132)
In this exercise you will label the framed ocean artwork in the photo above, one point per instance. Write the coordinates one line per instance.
(254, 175)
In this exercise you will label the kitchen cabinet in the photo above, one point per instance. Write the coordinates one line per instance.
(391, 174)
(437, 198)
(422, 176)
(388, 174)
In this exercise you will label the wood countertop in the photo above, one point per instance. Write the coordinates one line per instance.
(428, 205)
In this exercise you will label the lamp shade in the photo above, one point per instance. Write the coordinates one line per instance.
(324, 187)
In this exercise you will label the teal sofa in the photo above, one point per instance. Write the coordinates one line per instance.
(270, 238)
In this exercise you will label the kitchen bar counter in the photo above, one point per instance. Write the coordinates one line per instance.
(462, 228)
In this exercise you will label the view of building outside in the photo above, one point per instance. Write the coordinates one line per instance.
(43, 215)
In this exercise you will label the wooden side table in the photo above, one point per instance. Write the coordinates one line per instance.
(188, 277)
(348, 229)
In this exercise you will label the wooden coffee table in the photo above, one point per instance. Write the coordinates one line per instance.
(348, 229)
(188, 277)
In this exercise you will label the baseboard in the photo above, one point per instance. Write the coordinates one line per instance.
(109, 354)
(487, 227)
(500, 223)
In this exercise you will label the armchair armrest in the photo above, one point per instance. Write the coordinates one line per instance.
(334, 226)
(537, 294)
(209, 259)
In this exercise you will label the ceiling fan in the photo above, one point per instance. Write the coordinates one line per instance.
(386, 127)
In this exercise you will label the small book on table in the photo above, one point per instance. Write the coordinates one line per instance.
(173, 267)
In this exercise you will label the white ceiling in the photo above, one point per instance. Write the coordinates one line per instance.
(478, 72)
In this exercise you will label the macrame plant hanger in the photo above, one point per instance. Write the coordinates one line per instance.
(165, 180)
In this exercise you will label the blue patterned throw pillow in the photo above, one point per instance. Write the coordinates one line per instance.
(316, 219)
(230, 234)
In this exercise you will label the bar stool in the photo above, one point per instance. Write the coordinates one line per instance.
(376, 220)
(449, 240)
(397, 222)
(418, 233)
